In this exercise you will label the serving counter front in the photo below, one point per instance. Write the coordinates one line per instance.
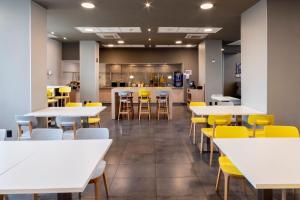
(135, 90)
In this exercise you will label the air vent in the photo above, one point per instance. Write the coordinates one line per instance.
(196, 36)
(108, 36)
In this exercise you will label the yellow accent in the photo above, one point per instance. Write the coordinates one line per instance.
(52, 101)
(144, 93)
(197, 103)
(208, 132)
(94, 120)
(228, 167)
(231, 132)
(65, 90)
(281, 131)
(93, 104)
(259, 120)
(73, 104)
(50, 93)
(199, 120)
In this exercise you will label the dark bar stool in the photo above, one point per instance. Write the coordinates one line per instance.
(126, 104)
(162, 103)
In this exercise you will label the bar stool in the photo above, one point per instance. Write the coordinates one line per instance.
(125, 104)
(162, 103)
(144, 103)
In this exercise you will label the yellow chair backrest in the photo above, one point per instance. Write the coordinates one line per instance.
(281, 131)
(64, 90)
(144, 93)
(219, 119)
(197, 103)
(50, 92)
(261, 120)
(231, 132)
(73, 104)
(93, 104)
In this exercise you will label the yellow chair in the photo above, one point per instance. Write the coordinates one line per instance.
(213, 121)
(226, 166)
(259, 120)
(281, 131)
(144, 103)
(96, 119)
(74, 104)
(64, 95)
(50, 97)
(196, 120)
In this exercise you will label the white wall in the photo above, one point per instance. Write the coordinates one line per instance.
(201, 61)
(89, 71)
(16, 57)
(54, 55)
(254, 56)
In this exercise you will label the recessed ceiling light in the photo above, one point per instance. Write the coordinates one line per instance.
(52, 33)
(222, 49)
(178, 42)
(121, 42)
(89, 29)
(147, 4)
(189, 45)
(149, 29)
(206, 6)
(208, 30)
(149, 39)
(64, 38)
(110, 45)
(88, 5)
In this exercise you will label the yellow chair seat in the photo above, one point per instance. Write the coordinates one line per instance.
(263, 122)
(144, 100)
(52, 100)
(228, 167)
(199, 120)
(259, 133)
(93, 120)
(207, 131)
(61, 97)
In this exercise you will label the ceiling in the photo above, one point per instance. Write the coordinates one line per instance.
(64, 15)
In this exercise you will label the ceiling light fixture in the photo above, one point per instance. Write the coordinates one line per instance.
(121, 42)
(189, 45)
(89, 29)
(110, 45)
(147, 4)
(222, 49)
(206, 6)
(52, 33)
(87, 5)
(206, 30)
(149, 29)
(178, 42)
(149, 39)
(64, 38)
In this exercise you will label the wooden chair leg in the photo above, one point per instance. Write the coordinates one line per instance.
(191, 129)
(226, 186)
(97, 188)
(105, 184)
(211, 151)
(201, 143)
(149, 110)
(244, 185)
(194, 133)
(35, 196)
(283, 194)
(218, 180)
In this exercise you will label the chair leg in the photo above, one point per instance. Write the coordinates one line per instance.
(140, 107)
(35, 196)
(201, 143)
(191, 129)
(211, 151)
(283, 194)
(218, 180)
(244, 185)
(226, 186)
(97, 188)
(105, 184)
(149, 110)
(194, 133)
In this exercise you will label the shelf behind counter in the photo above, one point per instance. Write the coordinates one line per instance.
(105, 93)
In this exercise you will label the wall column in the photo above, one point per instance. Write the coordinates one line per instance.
(89, 71)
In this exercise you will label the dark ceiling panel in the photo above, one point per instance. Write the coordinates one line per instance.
(64, 15)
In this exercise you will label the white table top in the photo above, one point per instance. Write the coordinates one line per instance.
(54, 86)
(267, 163)
(224, 110)
(68, 111)
(224, 98)
(52, 166)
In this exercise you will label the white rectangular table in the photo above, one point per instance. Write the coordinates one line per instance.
(224, 110)
(267, 163)
(51, 166)
(83, 112)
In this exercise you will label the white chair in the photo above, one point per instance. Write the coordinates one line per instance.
(47, 134)
(2, 134)
(69, 125)
(96, 133)
(25, 125)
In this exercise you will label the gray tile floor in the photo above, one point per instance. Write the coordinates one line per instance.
(156, 161)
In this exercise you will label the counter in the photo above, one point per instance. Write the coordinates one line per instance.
(115, 97)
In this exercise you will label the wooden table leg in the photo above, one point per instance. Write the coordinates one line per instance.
(265, 194)
(64, 196)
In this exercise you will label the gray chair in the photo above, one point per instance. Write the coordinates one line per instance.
(69, 125)
(96, 133)
(47, 134)
(25, 125)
